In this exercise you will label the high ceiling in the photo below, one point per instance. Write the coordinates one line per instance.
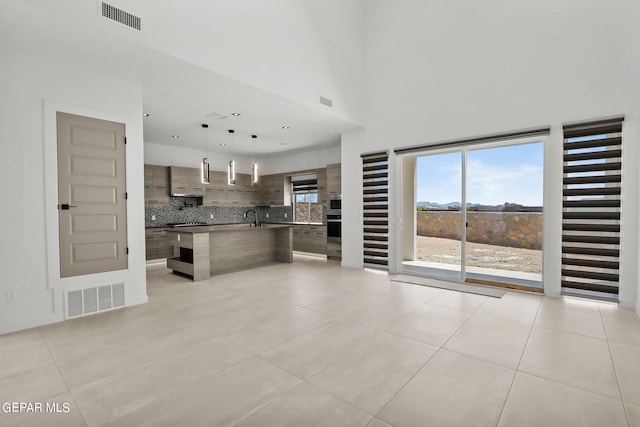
(181, 97)
(178, 95)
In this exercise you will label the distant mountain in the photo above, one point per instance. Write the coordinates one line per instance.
(509, 207)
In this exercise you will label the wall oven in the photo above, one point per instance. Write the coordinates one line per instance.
(334, 205)
(334, 228)
(334, 220)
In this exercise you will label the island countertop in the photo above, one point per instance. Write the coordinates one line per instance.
(227, 227)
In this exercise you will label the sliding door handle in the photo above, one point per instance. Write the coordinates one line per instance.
(66, 206)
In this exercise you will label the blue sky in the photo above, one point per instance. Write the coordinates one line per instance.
(494, 176)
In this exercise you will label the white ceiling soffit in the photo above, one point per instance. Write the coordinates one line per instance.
(178, 96)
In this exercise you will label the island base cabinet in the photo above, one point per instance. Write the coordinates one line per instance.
(192, 254)
(204, 251)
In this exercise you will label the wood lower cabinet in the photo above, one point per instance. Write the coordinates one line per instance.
(156, 244)
(156, 184)
(310, 238)
(334, 251)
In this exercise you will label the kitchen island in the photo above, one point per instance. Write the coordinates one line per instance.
(203, 251)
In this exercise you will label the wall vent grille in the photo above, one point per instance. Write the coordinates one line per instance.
(121, 16)
(91, 300)
(326, 101)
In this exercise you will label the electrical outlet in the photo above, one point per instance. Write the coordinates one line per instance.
(285, 214)
(153, 217)
(11, 295)
(267, 215)
(245, 215)
(210, 216)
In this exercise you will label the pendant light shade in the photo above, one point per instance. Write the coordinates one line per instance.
(254, 168)
(254, 174)
(204, 171)
(204, 166)
(231, 169)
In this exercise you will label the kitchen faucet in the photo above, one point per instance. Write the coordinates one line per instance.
(255, 215)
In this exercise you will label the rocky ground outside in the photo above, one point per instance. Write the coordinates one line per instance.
(435, 249)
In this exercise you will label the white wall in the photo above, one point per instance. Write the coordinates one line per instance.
(33, 87)
(162, 154)
(301, 160)
(165, 155)
(296, 49)
(443, 70)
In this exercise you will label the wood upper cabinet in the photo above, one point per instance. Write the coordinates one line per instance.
(215, 193)
(252, 192)
(334, 179)
(186, 181)
(156, 184)
(322, 186)
(275, 190)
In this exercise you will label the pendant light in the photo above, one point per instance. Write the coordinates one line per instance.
(204, 167)
(254, 169)
(231, 169)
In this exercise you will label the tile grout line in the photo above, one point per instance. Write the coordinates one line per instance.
(517, 369)
(427, 361)
(55, 362)
(615, 370)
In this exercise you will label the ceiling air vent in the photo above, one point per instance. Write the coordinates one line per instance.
(218, 116)
(326, 101)
(120, 16)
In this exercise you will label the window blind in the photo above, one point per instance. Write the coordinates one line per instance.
(304, 183)
(375, 196)
(592, 177)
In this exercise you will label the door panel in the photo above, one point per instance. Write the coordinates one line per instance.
(91, 181)
(439, 214)
(504, 213)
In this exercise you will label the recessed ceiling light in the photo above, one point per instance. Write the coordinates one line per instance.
(145, 114)
(235, 114)
(175, 136)
(286, 127)
(283, 143)
(222, 144)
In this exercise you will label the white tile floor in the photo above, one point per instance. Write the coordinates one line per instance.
(313, 344)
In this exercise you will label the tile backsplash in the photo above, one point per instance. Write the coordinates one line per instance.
(186, 209)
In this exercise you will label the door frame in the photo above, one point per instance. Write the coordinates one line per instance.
(54, 281)
(463, 150)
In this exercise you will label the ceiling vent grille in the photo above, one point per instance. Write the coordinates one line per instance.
(326, 101)
(121, 16)
(218, 116)
(91, 300)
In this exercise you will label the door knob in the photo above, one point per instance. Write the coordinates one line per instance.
(66, 206)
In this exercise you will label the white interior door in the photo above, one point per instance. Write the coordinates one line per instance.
(92, 207)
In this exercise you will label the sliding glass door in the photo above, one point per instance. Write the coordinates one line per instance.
(504, 214)
(478, 214)
(439, 214)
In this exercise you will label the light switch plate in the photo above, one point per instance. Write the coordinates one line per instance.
(11, 295)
